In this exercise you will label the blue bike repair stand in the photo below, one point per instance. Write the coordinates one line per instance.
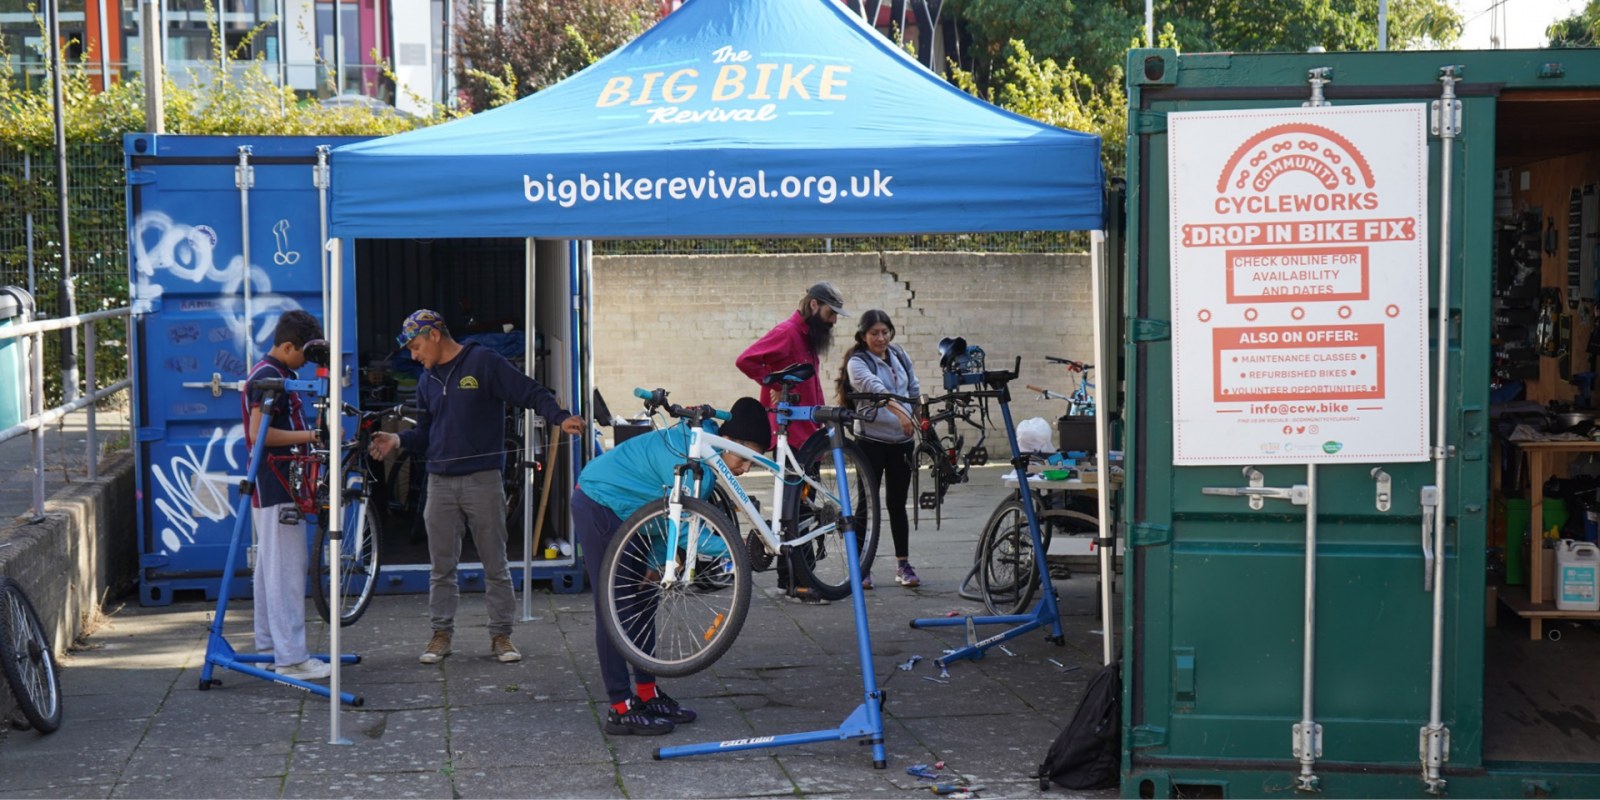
(218, 652)
(867, 720)
(1046, 613)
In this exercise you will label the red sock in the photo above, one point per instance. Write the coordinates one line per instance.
(620, 708)
(645, 691)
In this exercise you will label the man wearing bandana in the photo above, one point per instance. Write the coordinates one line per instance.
(801, 339)
(463, 392)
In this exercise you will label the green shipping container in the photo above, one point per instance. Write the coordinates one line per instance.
(1285, 248)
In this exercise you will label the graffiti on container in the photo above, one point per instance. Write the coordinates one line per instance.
(283, 256)
(166, 251)
(182, 364)
(220, 335)
(189, 409)
(190, 488)
(228, 362)
(184, 334)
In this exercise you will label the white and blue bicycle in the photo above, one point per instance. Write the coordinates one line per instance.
(676, 580)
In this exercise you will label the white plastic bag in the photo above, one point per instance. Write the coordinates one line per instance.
(1033, 436)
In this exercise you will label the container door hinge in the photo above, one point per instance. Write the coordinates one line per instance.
(151, 434)
(1307, 739)
(1149, 736)
(319, 173)
(153, 560)
(1430, 500)
(1384, 482)
(1148, 122)
(1151, 330)
(141, 177)
(1318, 77)
(1434, 748)
(1148, 534)
(1445, 116)
(244, 175)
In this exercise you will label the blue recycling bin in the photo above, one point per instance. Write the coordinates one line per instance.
(16, 308)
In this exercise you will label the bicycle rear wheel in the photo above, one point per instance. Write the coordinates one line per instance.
(820, 563)
(1008, 576)
(27, 660)
(358, 556)
(678, 628)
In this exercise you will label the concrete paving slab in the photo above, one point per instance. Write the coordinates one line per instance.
(75, 755)
(525, 734)
(200, 786)
(600, 782)
(383, 741)
(363, 784)
(100, 792)
(721, 776)
(153, 762)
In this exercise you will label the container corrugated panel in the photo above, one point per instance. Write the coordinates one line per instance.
(193, 326)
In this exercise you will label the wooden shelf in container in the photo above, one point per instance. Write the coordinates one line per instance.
(1519, 601)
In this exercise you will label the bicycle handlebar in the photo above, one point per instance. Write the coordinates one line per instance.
(657, 399)
(1072, 366)
(1046, 393)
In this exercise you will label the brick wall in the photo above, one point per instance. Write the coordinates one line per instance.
(81, 553)
(678, 322)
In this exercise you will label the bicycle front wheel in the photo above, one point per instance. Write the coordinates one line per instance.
(676, 627)
(821, 562)
(358, 557)
(1008, 576)
(27, 660)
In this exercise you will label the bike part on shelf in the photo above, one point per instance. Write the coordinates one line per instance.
(662, 614)
(27, 661)
(358, 555)
(820, 563)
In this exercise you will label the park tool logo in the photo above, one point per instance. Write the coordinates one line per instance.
(469, 382)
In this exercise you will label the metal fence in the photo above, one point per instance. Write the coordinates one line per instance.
(30, 235)
(100, 386)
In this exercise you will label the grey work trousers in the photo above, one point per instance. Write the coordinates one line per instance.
(279, 584)
(455, 503)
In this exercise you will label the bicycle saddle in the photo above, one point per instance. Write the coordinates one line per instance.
(794, 373)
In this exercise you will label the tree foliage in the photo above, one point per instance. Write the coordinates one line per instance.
(537, 43)
(1057, 94)
(1096, 35)
(1579, 30)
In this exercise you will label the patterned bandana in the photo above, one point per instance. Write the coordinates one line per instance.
(415, 325)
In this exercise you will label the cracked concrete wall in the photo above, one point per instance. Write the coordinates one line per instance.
(678, 322)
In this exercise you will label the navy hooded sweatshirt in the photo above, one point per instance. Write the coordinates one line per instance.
(461, 426)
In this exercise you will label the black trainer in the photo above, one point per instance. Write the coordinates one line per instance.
(663, 707)
(636, 722)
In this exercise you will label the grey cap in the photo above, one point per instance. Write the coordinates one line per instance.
(828, 296)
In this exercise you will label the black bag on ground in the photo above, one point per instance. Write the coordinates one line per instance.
(1088, 753)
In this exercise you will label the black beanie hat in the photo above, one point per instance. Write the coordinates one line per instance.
(747, 422)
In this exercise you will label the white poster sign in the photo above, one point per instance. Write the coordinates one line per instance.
(1300, 285)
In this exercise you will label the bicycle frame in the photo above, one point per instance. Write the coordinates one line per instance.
(703, 451)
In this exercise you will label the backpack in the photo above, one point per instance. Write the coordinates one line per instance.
(1088, 752)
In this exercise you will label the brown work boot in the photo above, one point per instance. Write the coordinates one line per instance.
(438, 648)
(501, 648)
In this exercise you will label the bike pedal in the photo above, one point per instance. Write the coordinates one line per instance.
(927, 500)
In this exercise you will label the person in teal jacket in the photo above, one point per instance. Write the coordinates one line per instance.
(610, 489)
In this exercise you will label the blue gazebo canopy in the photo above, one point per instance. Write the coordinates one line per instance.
(728, 118)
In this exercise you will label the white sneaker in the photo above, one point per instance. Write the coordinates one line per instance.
(308, 670)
